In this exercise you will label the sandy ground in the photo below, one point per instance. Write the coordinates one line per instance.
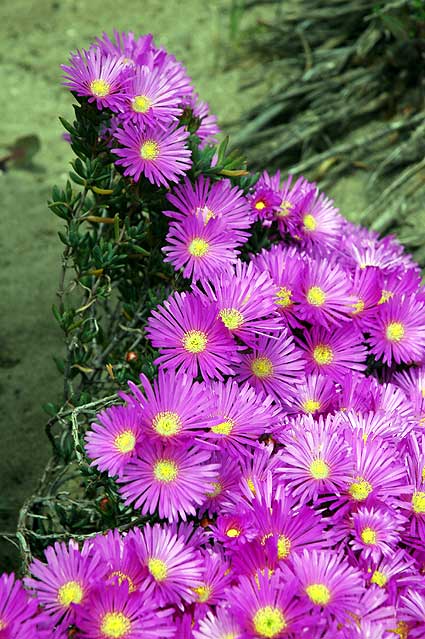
(35, 38)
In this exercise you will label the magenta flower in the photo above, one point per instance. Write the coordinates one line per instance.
(189, 338)
(202, 249)
(328, 583)
(265, 606)
(17, 610)
(100, 77)
(112, 443)
(172, 408)
(376, 531)
(114, 612)
(118, 556)
(159, 154)
(315, 459)
(319, 222)
(324, 294)
(220, 625)
(208, 129)
(226, 485)
(244, 416)
(366, 293)
(213, 584)
(333, 352)
(314, 394)
(151, 99)
(174, 568)
(212, 200)
(413, 610)
(274, 366)
(64, 584)
(133, 50)
(292, 198)
(397, 333)
(245, 301)
(169, 480)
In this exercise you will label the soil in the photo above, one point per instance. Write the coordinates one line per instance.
(35, 38)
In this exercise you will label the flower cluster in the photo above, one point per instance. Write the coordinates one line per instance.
(281, 443)
(146, 91)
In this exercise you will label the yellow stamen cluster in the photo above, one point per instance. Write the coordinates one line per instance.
(216, 490)
(115, 625)
(125, 441)
(284, 209)
(224, 428)
(167, 423)
(311, 406)
(260, 205)
(198, 247)
(385, 296)
(262, 367)
(379, 579)
(195, 341)
(165, 470)
(283, 547)
(157, 568)
(316, 296)
(100, 88)
(418, 502)
(319, 594)
(368, 536)
(231, 318)
(269, 622)
(284, 297)
(323, 354)
(121, 578)
(310, 223)
(149, 150)
(319, 469)
(395, 332)
(233, 533)
(360, 489)
(70, 592)
(204, 592)
(141, 104)
(358, 307)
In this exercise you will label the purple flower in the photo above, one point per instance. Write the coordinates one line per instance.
(376, 531)
(102, 78)
(17, 610)
(170, 480)
(220, 625)
(333, 352)
(112, 443)
(159, 154)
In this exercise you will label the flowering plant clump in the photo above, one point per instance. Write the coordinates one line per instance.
(273, 458)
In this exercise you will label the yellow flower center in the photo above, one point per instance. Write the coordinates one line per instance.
(319, 469)
(311, 405)
(319, 594)
(232, 318)
(385, 296)
(149, 150)
(358, 307)
(165, 470)
(125, 441)
(418, 502)
(262, 367)
(284, 209)
(70, 592)
(260, 205)
(368, 536)
(3, 624)
(233, 532)
(251, 485)
(379, 579)
(115, 624)
(323, 354)
(269, 621)
(283, 547)
(360, 489)
(423, 473)
(284, 296)
(141, 104)
(310, 223)
(225, 428)
(217, 488)
(195, 341)
(157, 568)
(395, 331)
(122, 577)
(204, 592)
(316, 296)
(100, 88)
(167, 423)
(198, 247)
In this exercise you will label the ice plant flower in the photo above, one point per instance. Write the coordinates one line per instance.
(118, 556)
(65, 582)
(173, 567)
(397, 333)
(188, 337)
(17, 610)
(220, 625)
(319, 221)
(274, 366)
(112, 443)
(333, 352)
(168, 479)
(201, 249)
(315, 394)
(376, 532)
(159, 154)
(101, 77)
